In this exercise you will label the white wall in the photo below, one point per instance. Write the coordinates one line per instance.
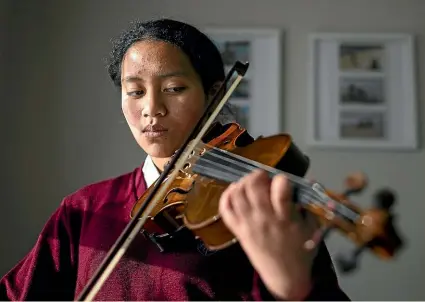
(62, 125)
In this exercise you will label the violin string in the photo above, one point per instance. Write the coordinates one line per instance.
(244, 165)
(250, 165)
(214, 170)
(304, 194)
(307, 194)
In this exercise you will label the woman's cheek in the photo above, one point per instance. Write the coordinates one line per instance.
(190, 111)
(132, 113)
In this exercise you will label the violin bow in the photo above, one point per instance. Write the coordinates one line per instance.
(177, 162)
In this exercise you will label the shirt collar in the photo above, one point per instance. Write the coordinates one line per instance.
(150, 172)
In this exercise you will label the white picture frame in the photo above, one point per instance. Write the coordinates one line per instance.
(362, 91)
(257, 99)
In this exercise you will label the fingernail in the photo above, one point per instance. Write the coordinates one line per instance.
(309, 244)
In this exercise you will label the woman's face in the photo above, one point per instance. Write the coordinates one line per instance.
(162, 96)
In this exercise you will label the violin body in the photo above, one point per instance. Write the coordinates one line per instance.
(193, 199)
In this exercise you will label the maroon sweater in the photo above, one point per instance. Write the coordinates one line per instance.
(78, 235)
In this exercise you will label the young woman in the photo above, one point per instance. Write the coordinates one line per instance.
(167, 71)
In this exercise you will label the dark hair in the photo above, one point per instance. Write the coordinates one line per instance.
(201, 51)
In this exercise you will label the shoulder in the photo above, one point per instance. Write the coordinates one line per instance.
(122, 188)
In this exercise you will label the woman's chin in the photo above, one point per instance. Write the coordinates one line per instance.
(159, 150)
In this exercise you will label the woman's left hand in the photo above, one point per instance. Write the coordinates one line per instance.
(270, 229)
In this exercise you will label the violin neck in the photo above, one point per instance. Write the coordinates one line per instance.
(228, 167)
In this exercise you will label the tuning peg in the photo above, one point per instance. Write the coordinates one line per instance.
(384, 199)
(317, 238)
(350, 262)
(355, 183)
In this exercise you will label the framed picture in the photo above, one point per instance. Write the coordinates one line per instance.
(362, 91)
(256, 101)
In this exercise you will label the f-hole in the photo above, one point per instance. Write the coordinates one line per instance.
(179, 191)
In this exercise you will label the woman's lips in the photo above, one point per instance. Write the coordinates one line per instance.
(154, 130)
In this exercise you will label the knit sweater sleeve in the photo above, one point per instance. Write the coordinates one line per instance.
(48, 271)
(325, 282)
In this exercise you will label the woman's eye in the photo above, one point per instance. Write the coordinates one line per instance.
(175, 89)
(135, 93)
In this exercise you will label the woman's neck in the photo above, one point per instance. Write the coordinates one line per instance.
(160, 163)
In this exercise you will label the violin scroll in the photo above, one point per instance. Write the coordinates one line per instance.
(371, 229)
(386, 243)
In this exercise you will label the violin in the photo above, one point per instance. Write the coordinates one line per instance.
(193, 198)
(187, 193)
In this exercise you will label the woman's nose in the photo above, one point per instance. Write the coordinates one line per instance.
(153, 105)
